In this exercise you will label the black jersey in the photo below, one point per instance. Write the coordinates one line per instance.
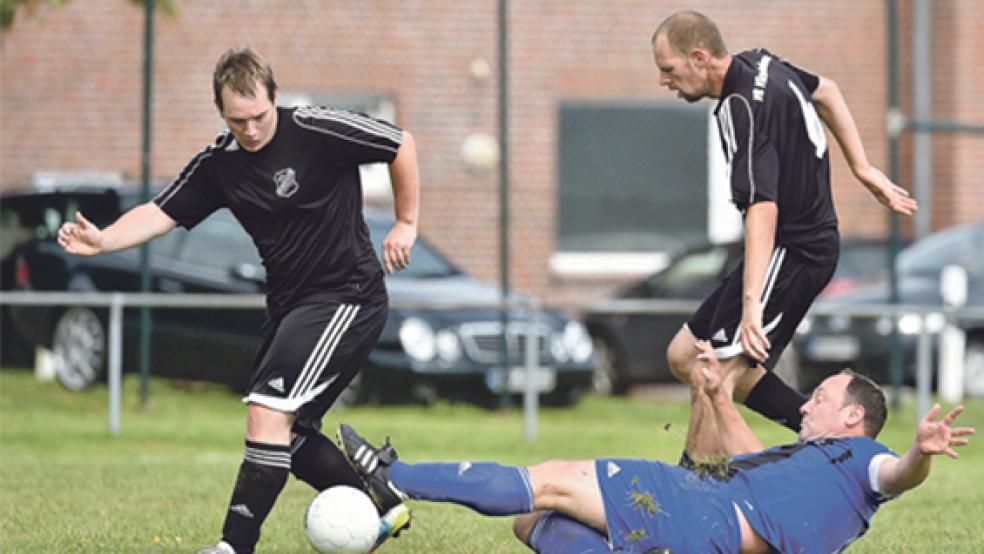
(299, 198)
(776, 150)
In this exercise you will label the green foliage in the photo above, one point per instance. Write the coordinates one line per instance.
(66, 485)
(8, 8)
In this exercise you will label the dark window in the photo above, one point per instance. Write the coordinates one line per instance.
(633, 176)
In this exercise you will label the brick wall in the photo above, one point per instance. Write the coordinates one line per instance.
(71, 92)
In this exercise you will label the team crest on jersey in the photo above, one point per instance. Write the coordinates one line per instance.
(286, 181)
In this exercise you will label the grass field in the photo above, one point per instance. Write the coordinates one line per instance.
(162, 485)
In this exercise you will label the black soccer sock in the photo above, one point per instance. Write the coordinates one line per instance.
(318, 462)
(262, 476)
(777, 401)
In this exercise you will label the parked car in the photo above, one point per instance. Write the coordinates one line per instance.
(424, 353)
(630, 346)
(828, 343)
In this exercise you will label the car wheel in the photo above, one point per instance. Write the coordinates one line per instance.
(974, 369)
(79, 348)
(606, 379)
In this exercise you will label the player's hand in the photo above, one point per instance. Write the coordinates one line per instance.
(708, 374)
(938, 437)
(397, 245)
(750, 333)
(82, 238)
(888, 193)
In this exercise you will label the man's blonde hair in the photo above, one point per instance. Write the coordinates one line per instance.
(240, 69)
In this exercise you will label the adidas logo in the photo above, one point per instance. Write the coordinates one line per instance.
(277, 384)
(613, 469)
(242, 510)
(720, 336)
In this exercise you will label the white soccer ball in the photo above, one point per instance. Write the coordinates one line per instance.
(341, 520)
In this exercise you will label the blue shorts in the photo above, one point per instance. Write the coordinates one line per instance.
(651, 504)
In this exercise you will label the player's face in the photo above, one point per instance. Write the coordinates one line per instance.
(252, 120)
(825, 413)
(678, 72)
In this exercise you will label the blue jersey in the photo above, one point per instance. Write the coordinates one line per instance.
(812, 496)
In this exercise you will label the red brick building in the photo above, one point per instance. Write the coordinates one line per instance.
(70, 97)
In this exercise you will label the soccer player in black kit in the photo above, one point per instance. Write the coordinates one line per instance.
(770, 115)
(291, 178)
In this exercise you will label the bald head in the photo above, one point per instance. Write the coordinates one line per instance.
(687, 30)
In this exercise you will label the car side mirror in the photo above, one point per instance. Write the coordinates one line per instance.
(245, 271)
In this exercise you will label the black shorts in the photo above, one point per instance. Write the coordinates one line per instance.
(308, 357)
(791, 285)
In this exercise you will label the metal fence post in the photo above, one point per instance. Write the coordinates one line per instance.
(530, 394)
(115, 361)
(923, 369)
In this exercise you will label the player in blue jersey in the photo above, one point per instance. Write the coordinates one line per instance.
(815, 495)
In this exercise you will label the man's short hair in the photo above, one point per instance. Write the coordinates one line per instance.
(865, 392)
(240, 69)
(688, 29)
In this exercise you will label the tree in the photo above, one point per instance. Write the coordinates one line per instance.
(8, 8)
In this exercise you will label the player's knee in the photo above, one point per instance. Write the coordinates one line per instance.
(680, 355)
(549, 481)
(267, 425)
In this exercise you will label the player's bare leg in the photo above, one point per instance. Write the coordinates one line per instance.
(570, 488)
(681, 354)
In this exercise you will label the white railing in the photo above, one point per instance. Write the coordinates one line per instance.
(895, 311)
(117, 301)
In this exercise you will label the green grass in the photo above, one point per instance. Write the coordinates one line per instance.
(162, 485)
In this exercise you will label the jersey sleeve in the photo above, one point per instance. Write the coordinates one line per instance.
(754, 161)
(191, 196)
(353, 138)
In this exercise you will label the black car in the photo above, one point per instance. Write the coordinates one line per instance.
(424, 353)
(630, 344)
(827, 343)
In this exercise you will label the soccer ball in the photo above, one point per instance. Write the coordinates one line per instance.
(342, 520)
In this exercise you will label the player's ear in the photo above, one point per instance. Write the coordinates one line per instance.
(855, 415)
(699, 57)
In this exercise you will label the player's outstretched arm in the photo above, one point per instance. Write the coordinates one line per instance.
(405, 175)
(134, 227)
(834, 112)
(898, 475)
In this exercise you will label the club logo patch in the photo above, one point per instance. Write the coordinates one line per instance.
(286, 181)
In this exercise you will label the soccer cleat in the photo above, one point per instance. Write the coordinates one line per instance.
(222, 548)
(391, 524)
(372, 464)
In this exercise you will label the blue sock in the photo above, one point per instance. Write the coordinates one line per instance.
(486, 487)
(555, 533)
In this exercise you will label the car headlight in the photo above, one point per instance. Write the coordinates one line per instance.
(557, 347)
(910, 324)
(448, 346)
(577, 342)
(417, 339)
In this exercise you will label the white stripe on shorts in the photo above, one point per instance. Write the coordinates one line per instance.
(318, 359)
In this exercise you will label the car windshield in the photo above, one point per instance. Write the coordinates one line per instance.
(692, 268)
(425, 261)
(218, 241)
(962, 246)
